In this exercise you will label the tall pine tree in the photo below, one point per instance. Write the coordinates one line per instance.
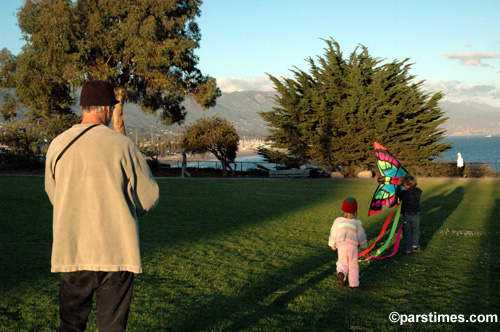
(332, 114)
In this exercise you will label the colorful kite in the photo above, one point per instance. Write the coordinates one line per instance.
(391, 171)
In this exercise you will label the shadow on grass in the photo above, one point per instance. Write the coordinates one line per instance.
(308, 274)
(196, 209)
(26, 219)
(26, 228)
(268, 297)
(438, 205)
(264, 299)
(492, 245)
(266, 293)
(186, 215)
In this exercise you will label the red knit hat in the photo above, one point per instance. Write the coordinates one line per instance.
(350, 205)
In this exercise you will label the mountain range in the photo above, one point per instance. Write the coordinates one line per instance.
(242, 109)
(468, 118)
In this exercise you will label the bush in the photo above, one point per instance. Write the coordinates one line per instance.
(478, 170)
(449, 169)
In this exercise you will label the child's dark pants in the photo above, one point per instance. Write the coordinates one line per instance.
(411, 231)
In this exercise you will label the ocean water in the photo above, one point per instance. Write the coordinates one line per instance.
(480, 149)
(473, 149)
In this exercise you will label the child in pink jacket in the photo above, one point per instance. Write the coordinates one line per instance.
(346, 235)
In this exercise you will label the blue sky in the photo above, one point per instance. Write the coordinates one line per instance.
(454, 46)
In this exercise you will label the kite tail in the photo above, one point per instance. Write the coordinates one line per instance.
(384, 228)
(388, 241)
(396, 247)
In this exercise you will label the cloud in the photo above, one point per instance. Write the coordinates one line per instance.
(472, 58)
(453, 90)
(458, 91)
(231, 84)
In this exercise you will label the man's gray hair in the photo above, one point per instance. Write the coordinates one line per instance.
(97, 109)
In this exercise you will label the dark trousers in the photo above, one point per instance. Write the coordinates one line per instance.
(113, 296)
(411, 231)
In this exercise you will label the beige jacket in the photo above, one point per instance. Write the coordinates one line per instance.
(102, 185)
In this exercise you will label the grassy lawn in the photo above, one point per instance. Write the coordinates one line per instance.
(252, 255)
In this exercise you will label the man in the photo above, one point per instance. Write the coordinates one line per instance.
(184, 166)
(99, 184)
(460, 165)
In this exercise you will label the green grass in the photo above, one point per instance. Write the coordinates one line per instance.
(252, 255)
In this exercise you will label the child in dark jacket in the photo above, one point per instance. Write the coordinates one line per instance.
(410, 209)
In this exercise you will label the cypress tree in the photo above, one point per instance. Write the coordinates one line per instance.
(331, 115)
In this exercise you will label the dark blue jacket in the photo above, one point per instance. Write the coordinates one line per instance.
(410, 199)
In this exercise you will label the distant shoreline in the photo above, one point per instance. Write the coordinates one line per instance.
(462, 135)
(207, 157)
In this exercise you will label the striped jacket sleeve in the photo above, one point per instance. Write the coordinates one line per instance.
(361, 235)
(333, 234)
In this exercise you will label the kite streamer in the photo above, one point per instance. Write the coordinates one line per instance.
(382, 232)
(396, 246)
(391, 172)
(388, 241)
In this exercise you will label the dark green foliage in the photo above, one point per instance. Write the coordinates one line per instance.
(278, 157)
(8, 107)
(7, 68)
(146, 48)
(332, 115)
(212, 135)
(22, 137)
(449, 169)
(26, 138)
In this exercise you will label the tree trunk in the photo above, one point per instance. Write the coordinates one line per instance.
(224, 168)
(118, 123)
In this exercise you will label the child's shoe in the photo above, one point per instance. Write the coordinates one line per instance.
(416, 249)
(340, 279)
(407, 253)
